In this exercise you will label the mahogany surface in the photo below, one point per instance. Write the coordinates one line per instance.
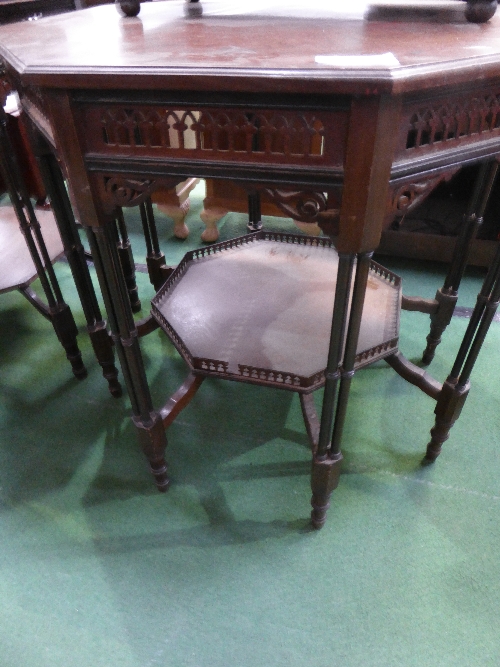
(106, 90)
(162, 45)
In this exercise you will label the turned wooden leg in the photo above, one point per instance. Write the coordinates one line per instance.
(324, 479)
(439, 321)
(61, 318)
(326, 461)
(152, 440)
(447, 296)
(127, 262)
(155, 259)
(66, 331)
(75, 254)
(147, 421)
(55, 310)
(456, 388)
(102, 344)
(448, 408)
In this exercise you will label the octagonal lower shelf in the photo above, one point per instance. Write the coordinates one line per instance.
(259, 309)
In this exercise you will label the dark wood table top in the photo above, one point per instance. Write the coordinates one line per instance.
(97, 48)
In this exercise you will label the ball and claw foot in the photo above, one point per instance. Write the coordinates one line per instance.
(178, 213)
(210, 217)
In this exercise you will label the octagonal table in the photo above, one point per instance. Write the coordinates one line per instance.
(368, 112)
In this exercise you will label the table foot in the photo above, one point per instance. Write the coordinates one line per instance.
(178, 213)
(448, 408)
(324, 479)
(103, 350)
(210, 217)
(66, 331)
(153, 441)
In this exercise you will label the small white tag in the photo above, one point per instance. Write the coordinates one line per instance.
(376, 60)
(12, 104)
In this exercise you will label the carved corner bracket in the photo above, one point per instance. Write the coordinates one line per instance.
(407, 196)
(123, 192)
(307, 206)
(301, 206)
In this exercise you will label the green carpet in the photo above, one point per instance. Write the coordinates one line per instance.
(97, 569)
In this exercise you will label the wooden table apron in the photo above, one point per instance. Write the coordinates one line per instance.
(387, 142)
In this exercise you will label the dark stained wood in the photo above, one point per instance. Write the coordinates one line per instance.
(180, 400)
(415, 375)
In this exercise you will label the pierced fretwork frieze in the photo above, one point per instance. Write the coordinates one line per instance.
(453, 120)
(255, 135)
(229, 130)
